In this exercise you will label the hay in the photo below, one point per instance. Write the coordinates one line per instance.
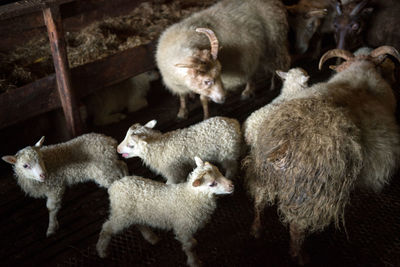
(103, 38)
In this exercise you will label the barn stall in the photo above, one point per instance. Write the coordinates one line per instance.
(42, 85)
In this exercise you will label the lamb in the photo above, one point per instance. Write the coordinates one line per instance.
(171, 154)
(295, 81)
(253, 34)
(311, 152)
(46, 171)
(139, 201)
(105, 106)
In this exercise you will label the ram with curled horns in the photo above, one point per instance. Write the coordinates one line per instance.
(252, 34)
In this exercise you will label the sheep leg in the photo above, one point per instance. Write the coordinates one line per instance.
(110, 228)
(272, 85)
(296, 242)
(188, 245)
(259, 206)
(53, 204)
(230, 167)
(183, 112)
(204, 103)
(148, 234)
(248, 91)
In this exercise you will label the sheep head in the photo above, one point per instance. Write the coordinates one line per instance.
(377, 56)
(350, 23)
(29, 163)
(203, 70)
(305, 19)
(208, 179)
(136, 139)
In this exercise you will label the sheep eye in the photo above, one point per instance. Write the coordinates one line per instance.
(130, 146)
(26, 166)
(355, 26)
(214, 183)
(208, 82)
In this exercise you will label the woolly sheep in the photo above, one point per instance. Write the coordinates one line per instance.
(105, 106)
(310, 152)
(217, 139)
(46, 171)
(252, 34)
(139, 201)
(294, 81)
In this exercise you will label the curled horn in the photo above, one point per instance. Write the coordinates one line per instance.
(213, 40)
(358, 8)
(346, 55)
(384, 50)
(338, 7)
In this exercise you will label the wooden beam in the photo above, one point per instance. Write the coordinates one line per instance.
(41, 96)
(53, 22)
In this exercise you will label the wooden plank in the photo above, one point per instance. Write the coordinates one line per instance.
(26, 7)
(40, 96)
(53, 22)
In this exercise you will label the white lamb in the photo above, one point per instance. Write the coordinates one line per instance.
(106, 106)
(46, 171)
(294, 84)
(171, 154)
(183, 208)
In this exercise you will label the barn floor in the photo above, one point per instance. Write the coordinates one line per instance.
(371, 236)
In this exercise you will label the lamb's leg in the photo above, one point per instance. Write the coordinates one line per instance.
(248, 91)
(272, 86)
(188, 245)
(204, 103)
(53, 205)
(230, 167)
(259, 206)
(110, 228)
(183, 112)
(296, 242)
(148, 234)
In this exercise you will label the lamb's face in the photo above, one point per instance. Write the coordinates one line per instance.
(296, 79)
(135, 142)
(29, 162)
(210, 180)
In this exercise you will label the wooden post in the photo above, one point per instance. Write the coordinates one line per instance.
(54, 26)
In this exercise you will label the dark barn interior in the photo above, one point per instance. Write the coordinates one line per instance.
(32, 108)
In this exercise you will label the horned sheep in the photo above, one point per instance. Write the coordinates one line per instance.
(311, 152)
(143, 202)
(46, 171)
(252, 34)
(171, 154)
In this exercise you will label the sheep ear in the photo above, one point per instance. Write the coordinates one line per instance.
(198, 161)
(319, 13)
(278, 156)
(187, 66)
(40, 142)
(197, 182)
(10, 159)
(151, 124)
(281, 74)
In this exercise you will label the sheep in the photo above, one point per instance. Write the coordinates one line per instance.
(310, 152)
(367, 23)
(294, 81)
(252, 33)
(139, 201)
(46, 171)
(217, 139)
(105, 106)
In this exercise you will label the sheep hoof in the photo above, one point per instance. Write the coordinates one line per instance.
(101, 252)
(50, 233)
(194, 262)
(255, 232)
(182, 115)
(301, 259)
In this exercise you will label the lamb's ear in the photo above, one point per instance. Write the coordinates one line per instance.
(40, 142)
(151, 124)
(278, 156)
(197, 182)
(198, 161)
(9, 159)
(281, 74)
